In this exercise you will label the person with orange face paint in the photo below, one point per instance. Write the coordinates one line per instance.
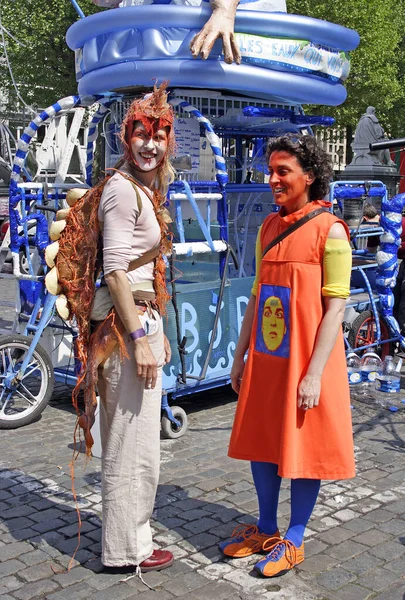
(131, 216)
(293, 415)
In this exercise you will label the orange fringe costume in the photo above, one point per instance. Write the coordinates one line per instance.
(79, 260)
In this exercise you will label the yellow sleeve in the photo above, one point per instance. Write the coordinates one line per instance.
(258, 261)
(337, 264)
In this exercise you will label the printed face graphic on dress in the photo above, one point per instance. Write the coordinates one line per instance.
(148, 151)
(273, 325)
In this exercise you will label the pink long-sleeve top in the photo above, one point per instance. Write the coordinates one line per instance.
(126, 233)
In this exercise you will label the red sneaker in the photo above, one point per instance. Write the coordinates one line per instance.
(158, 560)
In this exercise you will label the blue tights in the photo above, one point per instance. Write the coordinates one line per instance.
(304, 493)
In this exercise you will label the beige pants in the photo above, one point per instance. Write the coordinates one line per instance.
(130, 439)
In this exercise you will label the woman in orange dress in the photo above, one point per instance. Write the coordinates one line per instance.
(293, 415)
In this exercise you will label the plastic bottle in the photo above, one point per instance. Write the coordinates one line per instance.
(353, 363)
(371, 366)
(388, 384)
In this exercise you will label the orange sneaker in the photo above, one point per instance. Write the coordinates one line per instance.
(282, 557)
(245, 541)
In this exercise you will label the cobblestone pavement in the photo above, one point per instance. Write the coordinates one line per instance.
(355, 544)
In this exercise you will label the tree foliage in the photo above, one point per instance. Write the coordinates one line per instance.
(41, 62)
(377, 71)
(44, 66)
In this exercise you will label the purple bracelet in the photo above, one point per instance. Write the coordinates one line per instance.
(138, 333)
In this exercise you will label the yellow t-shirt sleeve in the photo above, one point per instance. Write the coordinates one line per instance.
(337, 265)
(258, 261)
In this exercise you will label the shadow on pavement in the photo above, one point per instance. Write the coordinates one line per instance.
(43, 513)
(389, 421)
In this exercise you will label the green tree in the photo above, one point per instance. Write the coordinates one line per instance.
(42, 64)
(377, 67)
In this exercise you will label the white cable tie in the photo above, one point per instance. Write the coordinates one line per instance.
(138, 573)
(128, 578)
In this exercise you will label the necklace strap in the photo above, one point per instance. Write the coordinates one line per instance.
(134, 181)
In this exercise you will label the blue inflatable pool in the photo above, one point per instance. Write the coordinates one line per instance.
(284, 57)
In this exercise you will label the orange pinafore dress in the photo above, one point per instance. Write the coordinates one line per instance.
(268, 425)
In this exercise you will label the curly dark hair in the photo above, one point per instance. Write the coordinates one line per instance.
(311, 156)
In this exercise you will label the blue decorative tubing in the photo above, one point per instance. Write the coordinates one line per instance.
(340, 193)
(373, 303)
(16, 194)
(179, 221)
(40, 226)
(220, 167)
(45, 316)
(78, 9)
(222, 216)
(215, 142)
(200, 220)
(255, 111)
(391, 222)
(31, 130)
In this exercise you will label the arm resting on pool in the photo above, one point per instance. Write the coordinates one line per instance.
(220, 24)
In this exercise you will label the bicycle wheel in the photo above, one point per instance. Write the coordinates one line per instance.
(364, 332)
(22, 400)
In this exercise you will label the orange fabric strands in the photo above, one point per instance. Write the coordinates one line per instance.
(107, 334)
(159, 279)
(79, 263)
